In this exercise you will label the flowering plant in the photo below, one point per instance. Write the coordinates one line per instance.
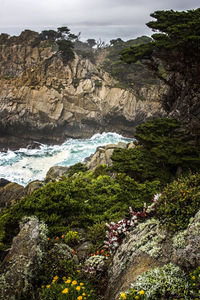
(117, 231)
(67, 288)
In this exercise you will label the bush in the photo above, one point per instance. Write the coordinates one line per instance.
(170, 144)
(96, 234)
(72, 238)
(79, 167)
(165, 149)
(179, 202)
(139, 164)
(98, 83)
(78, 202)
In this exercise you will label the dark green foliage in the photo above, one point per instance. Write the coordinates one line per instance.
(56, 264)
(66, 48)
(98, 83)
(78, 203)
(63, 30)
(179, 202)
(165, 148)
(133, 54)
(176, 30)
(79, 167)
(49, 35)
(96, 234)
(169, 143)
(91, 43)
(139, 164)
(129, 76)
(63, 39)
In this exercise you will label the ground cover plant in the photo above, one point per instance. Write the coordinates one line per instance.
(80, 201)
(179, 202)
(167, 282)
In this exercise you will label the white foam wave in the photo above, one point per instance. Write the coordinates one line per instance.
(25, 165)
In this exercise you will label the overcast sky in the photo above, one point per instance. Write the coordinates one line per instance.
(105, 19)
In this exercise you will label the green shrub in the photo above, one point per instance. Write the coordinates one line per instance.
(139, 164)
(72, 238)
(165, 150)
(170, 144)
(78, 202)
(98, 83)
(96, 234)
(79, 167)
(179, 202)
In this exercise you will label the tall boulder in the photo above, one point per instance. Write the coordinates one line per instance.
(22, 264)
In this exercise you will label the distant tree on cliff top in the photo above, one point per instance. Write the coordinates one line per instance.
(91, 42)
(64, 39)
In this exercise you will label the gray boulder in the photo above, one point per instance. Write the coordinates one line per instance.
(10, 194)
(55, 173)
(22, 263)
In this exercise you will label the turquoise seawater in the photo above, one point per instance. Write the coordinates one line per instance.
(25, 165)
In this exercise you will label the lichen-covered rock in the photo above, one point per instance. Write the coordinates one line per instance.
(55, 172)
(10, 194)
(22, 264)
(61, 251)
(162, 283)
(95, 264)
(84, 249)
(149, 246)
(186, 245)
(103, 155)
(143, 248)
(33, 186)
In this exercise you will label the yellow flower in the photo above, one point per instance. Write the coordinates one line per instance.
(68, 281)
(193, 277)
(74, 282)
(84, 294)
(141, 292)
(81, 283)
(123, 296)
(65, 291)
(55, 278)
(78, 288)
(79, 297)
(48, 286)
(78, 271)
(136, 297)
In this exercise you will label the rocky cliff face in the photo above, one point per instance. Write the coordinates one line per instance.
(42, 98)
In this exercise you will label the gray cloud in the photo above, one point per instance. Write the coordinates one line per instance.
(94, 18)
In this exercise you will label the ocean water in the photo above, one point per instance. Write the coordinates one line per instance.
(25, 165)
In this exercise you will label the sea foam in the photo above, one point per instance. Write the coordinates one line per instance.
(25, 165)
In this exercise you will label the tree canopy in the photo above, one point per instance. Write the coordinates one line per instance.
(64, 39)
(173, 30)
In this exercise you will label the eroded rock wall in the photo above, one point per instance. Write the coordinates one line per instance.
(44, 99)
